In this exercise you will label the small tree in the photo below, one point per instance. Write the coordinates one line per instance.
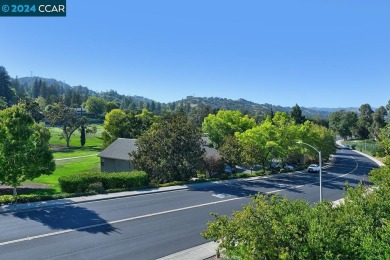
(24, 147)
(94, 130)
(67, 118)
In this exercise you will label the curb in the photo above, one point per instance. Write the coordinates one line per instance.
(200, 252)
(339, 142)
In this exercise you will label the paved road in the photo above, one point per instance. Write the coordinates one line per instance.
(155, 225)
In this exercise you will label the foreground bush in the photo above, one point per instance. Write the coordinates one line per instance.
(82, 182)
(277, 228)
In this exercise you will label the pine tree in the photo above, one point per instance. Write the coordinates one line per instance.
(5, 86)
(296, 114)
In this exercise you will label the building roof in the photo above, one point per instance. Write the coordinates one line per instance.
(210, 151)
(119, 149)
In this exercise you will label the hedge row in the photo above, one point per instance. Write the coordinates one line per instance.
(27, 198)
(82, 182)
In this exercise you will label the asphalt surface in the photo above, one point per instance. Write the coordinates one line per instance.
(156, 224)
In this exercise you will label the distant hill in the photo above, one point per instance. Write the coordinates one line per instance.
(250, 107)
(245, 106)
(111, 95)
(29, 81)
(332, 110)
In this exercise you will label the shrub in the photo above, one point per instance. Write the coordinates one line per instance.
(243, 175)
(96, 187)
(78, 183)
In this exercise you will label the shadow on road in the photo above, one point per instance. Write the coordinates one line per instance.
(68, 217)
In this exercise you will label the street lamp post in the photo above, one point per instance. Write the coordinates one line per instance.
(320, 165)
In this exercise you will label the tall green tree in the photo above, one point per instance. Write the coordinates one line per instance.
(171, 150)
(198, 114)
(378, 122)
(364, 121)
(287, 134)
(319, 137)
(24, 147)
(3, 103)
(384, 139)
(111, 105)
(226, 123)
(344, 123)
(6, 90)
(296, 115)
(259, 144)
(32, 107)
(67, 119)
(118, 124)
(96, 105)
(20, 93)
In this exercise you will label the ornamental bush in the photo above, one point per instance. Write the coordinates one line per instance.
(81, 182)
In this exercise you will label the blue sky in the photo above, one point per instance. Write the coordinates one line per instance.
(332, 53)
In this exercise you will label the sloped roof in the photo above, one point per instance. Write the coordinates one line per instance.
(210, 151)
(119, 149)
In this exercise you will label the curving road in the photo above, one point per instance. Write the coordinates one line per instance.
(158, 224)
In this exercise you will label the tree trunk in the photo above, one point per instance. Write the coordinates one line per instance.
(67, 141)
(15, 193)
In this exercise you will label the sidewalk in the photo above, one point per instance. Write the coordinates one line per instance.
(76, 200)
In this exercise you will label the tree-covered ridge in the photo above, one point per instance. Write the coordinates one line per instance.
(48, 91)
(248, 107)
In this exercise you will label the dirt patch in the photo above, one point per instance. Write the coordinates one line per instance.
(25, 188)
(58, 148)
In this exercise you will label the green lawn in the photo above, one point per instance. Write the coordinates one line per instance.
(67, 167)
(91, 140)
(88, 162)
(76, 152)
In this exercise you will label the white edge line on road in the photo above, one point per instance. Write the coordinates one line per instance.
(113, 222)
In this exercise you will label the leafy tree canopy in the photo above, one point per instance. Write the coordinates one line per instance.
(96, 105)
(65, 117)
(226, 123)
(24, 147)
(296, 115)
(6, 91)
(171, 150)
(118, 124)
